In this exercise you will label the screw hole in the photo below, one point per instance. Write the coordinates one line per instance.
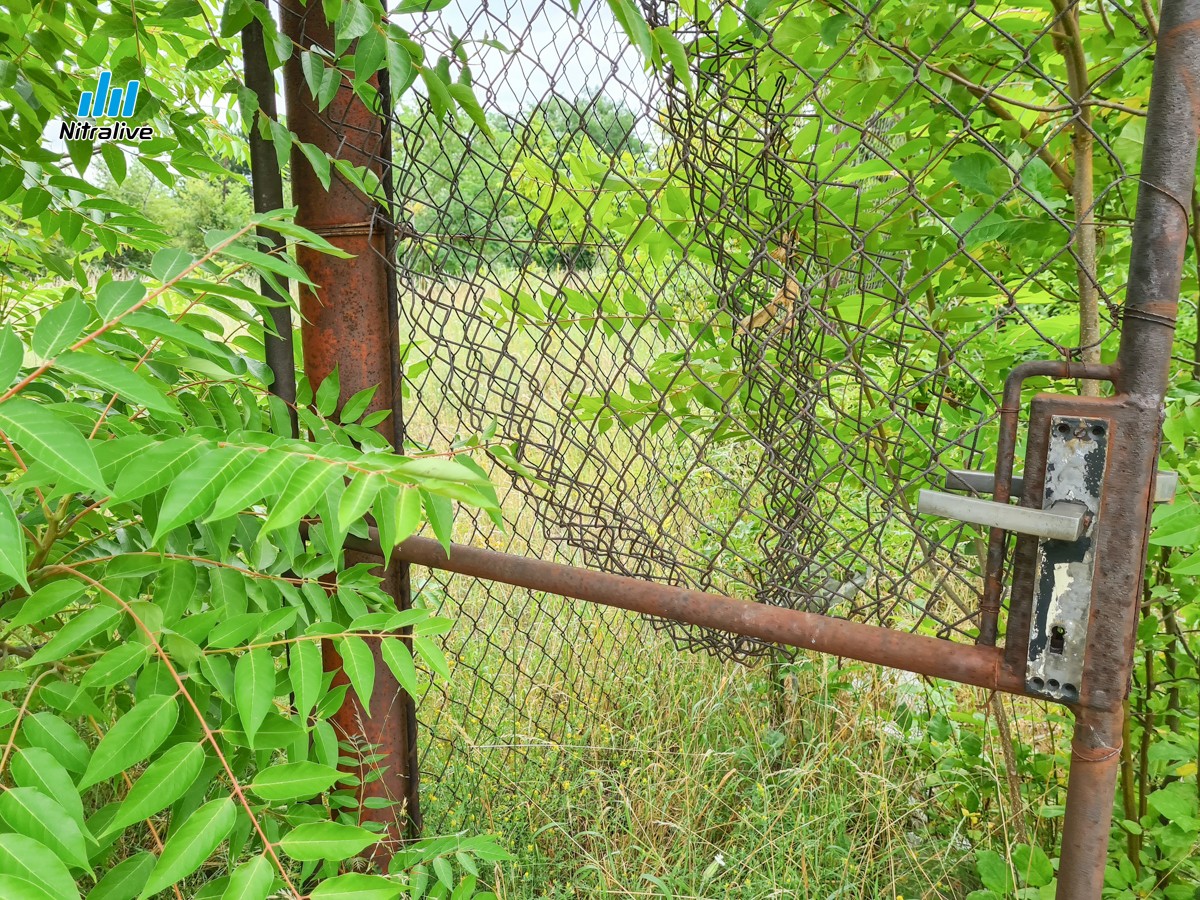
(1097, 431)
(1070, 688)
(1064, 428)
(1053, 682)
(1037, 683)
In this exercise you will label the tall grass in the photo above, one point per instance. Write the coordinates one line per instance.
(613, 764)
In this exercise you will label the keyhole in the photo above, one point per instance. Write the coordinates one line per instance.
(1058, 636)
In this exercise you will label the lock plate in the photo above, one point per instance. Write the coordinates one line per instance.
(1076, 456)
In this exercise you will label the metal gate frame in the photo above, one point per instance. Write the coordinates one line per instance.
(352, 325)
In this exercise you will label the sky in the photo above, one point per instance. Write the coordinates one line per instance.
(549, 49)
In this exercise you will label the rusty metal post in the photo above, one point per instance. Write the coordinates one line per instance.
(1160, 237)
(348, 325)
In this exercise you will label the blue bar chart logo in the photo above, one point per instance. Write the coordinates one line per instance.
(106, 101)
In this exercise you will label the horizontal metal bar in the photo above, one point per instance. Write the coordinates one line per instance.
(978, 482)
(1065, 522)
(936, 658)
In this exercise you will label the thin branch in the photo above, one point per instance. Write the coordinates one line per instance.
(209, 735)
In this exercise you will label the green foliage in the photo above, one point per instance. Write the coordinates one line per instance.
(501, 191)
(165, 543)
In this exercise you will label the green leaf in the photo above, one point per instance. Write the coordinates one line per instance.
(237, 15)
(252, 880)
(421, 6)
(136, 735)
(359, 496)
(435, 89)
(440, 513)
(155, 469)
(106, 372)
(974, 171)
(1176, 801)
(51, 439)
(326, 840)
(32, 813)
(357, 405)
(48, 600)
(276, 732)
(465, 97)
(48, 731)
(305, 674)
(675, 53)
(445, 872)
(81, 154)
(1032, 865)
(125, 880)
(295, 781)
(75, 633)
(31, 867)
(439, 470)
(976, 228)
(359, 665)
(12, 356)
(406, 514)
(118, 297)
(165, 780)
(114, 160)
(318, 160)
(265, 476)
(60, 327)
(400, 67)
(197, 487)
(234, 631)
(37, 768)
(994, 872)
(1176, 525)
(191, 844)
(227, 591)
(170, 262)
(300, 494)
(633, 23)
(433, 656)
(354, 886)
(254, 688)
(328, 394)
(399, 659)
(12, 544)
(355, 21)
(832, 27)
(115, 665)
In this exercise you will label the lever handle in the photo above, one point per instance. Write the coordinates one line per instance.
(1064, 521)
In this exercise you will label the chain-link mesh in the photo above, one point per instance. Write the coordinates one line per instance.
(731, 309)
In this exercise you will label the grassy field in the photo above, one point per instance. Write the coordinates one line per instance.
(614, 764)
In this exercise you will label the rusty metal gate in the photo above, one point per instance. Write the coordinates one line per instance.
(786, 326)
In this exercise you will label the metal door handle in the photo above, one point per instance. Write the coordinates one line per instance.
(1064, 521)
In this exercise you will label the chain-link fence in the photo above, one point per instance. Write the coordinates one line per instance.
(721, 314)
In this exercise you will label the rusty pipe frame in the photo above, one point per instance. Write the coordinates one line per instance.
(1006, 450)
(933, 657)
(1160, 238)
(347, 325)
